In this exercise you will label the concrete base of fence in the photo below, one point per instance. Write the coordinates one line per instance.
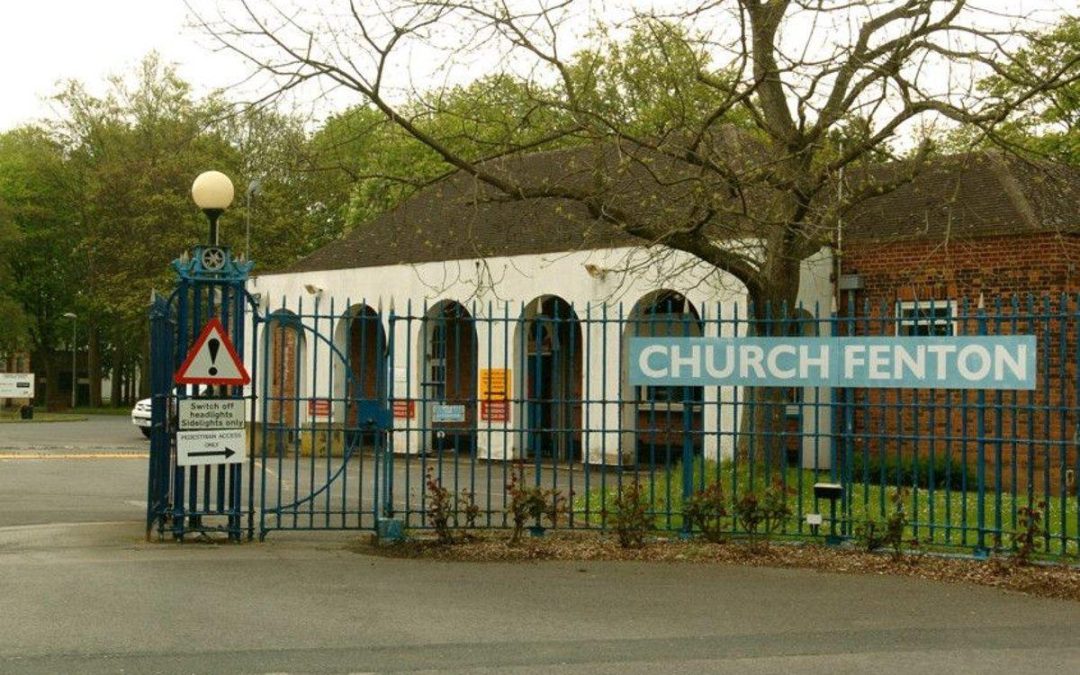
(389, 530)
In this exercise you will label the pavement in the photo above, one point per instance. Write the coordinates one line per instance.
(83, 592)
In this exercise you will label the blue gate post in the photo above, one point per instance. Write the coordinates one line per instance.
(161, 352)
(385, 395)
(209, 284)
(688, 459)
(980, 547)
(847, 470)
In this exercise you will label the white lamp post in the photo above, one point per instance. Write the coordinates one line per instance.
(213, 193)
(74, 372)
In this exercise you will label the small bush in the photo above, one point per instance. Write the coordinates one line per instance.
(631, 517)
(707, 510)
(902, 471)
(876, 535)
(771, 511)
(1023, 540)
(531, 503)
(439, 507)
(443, 511)
(467, 505)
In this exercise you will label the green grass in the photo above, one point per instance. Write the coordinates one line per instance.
(103, 410)
(12, 417)
(938, 518)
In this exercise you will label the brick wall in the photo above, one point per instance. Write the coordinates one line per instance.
(1022, 280)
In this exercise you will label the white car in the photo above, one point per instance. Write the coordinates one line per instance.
(140, 416)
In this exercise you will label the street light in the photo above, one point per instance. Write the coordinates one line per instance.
(74, 373)
(213, 193)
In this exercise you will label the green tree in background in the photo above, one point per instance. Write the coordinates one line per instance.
(132, 152)
(38, 233)
(1047, 124)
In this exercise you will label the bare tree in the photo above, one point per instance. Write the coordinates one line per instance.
(793, 73)
(776, 101)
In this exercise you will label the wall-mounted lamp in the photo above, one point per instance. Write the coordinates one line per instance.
(595, 271)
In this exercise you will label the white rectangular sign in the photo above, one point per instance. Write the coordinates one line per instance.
(16, 385)
(211, 413)
(443, 412)
(211, 446)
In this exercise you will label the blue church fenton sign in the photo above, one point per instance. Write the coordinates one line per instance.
(979, 362)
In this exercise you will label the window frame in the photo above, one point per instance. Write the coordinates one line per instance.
(915, 320)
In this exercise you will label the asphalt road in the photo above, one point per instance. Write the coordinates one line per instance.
(103, 433)
(81, 591)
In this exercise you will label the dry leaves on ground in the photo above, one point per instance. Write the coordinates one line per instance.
(1052, 581)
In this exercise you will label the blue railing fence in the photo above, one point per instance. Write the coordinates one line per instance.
(357, 400)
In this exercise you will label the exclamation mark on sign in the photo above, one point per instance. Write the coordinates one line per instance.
(214, 345)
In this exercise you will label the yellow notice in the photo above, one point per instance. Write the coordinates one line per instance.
(494, 384)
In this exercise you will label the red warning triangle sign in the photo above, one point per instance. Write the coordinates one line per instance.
(212, 359)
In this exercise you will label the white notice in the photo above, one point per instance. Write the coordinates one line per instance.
(211, 413)
(16, 385)
(215, 446)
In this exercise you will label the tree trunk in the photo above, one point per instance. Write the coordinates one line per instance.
(763, 410)
(93, 365)
(115, 395)
(43, 362)
(144, 372)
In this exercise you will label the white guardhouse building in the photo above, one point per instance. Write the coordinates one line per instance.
(509, 331)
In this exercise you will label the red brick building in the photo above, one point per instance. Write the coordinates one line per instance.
(976, 244)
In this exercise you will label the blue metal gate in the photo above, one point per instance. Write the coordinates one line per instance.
(316, 436)
(321, 435)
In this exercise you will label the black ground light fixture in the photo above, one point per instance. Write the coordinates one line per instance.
(832, 492)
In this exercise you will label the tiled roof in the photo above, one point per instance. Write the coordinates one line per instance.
(972, 195)
(961, 196)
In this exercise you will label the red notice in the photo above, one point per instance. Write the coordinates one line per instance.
(495, 411)
(318, 407)
(404, 408)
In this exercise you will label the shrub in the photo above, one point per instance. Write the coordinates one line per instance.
(706, 511)
(439, 507)
(632, 517)
(531, 503)
(902, 471)
(770, 510)
(1023, 540)
(468, 506)
(443, 512)
(891, 533)
(775, 507)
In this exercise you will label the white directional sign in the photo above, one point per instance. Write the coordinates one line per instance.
(211, 413)
(16, 385)
(210, 446)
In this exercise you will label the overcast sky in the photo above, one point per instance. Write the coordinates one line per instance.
(43, 42)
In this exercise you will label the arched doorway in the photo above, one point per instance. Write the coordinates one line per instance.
(362, 341)
(549, 350)
(285, 364)
(660, 419)
(448, 359)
